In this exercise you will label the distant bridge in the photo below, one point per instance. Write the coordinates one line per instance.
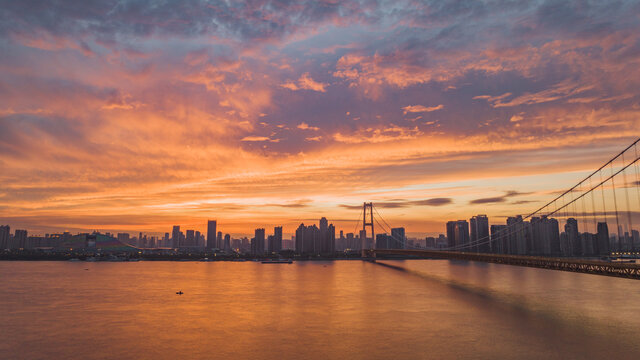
(617, 269)
(609, 196)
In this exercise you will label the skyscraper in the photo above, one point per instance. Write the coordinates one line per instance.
(227, 242)
(175, 236)
(545, 236)
(573, 237)
(398, 239)
(451, 234)
(20, 239)
(190, 238)
(5, 231)
(331, 240)
(276, 243)
(211, 234)
(479, 234)
(499, 239)
(602, 239)
(257, 243)
(219, 243)
(308, 239)
(520, 235)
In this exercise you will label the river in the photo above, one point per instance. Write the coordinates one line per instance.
(416, 309)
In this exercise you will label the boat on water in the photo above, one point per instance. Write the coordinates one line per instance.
(277, 261)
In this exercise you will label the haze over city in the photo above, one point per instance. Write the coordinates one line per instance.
(135, 116)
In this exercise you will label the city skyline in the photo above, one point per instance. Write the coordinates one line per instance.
(132, 118)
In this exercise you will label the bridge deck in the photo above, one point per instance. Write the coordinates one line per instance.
(625, 270)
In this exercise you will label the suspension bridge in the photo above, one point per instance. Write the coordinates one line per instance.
(607, 197)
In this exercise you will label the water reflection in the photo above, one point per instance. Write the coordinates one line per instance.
(312, 310)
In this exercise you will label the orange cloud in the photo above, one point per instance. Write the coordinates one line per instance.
(421, 108)
(305, 82)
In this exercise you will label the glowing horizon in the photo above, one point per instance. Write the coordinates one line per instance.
(135, 116)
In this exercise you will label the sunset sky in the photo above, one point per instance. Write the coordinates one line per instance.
(138, 115)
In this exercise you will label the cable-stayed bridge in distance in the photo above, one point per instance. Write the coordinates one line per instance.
(608, 198)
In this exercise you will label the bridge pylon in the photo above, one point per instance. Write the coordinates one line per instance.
(367, 209)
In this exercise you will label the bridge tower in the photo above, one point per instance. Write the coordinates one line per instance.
(367, 207)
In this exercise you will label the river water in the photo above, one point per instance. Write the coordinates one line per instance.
(418, 309)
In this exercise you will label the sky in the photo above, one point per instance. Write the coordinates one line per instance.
(138, 115)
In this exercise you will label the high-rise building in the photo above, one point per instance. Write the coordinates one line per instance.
(5, 232)
(545, 236)
(275, 245)
(602, 239)
(364, 240)
(219, 243)
(520, 235)
(479, 234)
(331, 240)
(190, 239)
(211, 234)
(197, 239)
(398, 239)
(257, 243)
(351, 242)
(175, 236)
(573, 237)
(382, 241)
(327, 237)
(20, 239)
(308, 239)
(451, 234)
(227, 242)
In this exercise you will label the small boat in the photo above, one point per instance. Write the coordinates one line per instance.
(277, 261)
(179, 292)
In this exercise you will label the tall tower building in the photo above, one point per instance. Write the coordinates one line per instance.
(573, 237)
(479, 234)
(190, 238)
(5, 231)
(20, 239)
(227, 242)
(458, 234)
(451, 234)
(257, 244)
(211, 234)
(398, 239)
(602, 239)
(276, 244)
(175, 236)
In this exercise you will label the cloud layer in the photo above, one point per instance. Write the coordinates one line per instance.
(178, 112)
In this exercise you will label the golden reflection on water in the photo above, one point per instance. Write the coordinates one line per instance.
(312, 310)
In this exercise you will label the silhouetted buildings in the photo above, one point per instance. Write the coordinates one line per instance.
(227, 242)
(313, 240)
(479, 234)
(458, 234)
(5, 232)
(602, 239)
(211, 234)
(257, 243)
(175, 236)
(275, 240)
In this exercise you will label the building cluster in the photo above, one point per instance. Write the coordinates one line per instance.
(539, 236)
